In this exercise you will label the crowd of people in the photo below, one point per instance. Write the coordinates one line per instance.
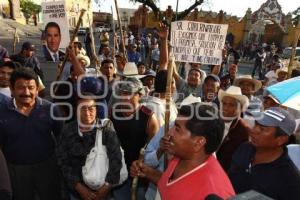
(227, 133)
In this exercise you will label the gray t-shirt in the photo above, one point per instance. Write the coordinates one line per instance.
(184, 90)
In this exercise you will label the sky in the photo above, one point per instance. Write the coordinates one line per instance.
(233, 7)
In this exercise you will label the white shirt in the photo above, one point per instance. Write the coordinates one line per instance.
(158, 106)
(91, 128)
(5, 91)
(52, 54)
(271, 76)
(226, 128)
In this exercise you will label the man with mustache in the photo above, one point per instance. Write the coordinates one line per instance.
(28, 127)
(193, 139)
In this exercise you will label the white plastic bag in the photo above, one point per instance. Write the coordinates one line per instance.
(96, 165)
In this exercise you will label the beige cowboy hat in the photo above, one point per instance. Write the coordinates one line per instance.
(190, 100)
(234, 92)
(284, 69)
(130, 70)
(257, 84)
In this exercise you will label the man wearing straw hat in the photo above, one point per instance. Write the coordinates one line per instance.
(232, 103)
(249, 87)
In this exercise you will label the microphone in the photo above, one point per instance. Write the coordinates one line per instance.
(213, 197)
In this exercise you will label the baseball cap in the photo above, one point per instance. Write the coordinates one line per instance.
(212, 76)
(132, 85)
(278, 117)
(91, 85)
(150, 72)
(28, 46)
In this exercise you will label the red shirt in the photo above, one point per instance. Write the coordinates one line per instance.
(207, 178)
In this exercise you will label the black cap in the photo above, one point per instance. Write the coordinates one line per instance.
(28, 46)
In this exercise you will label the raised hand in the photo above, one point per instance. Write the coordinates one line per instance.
(163, 31)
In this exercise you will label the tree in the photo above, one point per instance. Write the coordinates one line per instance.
(29, 9)
(296, 16)
(181, 15)
(152, 5)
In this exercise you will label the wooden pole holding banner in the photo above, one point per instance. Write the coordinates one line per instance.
(62, 65)
(136, 179)
(296, 39)
(114, 35)
(170, 68)
(121, 30)
(95, 58)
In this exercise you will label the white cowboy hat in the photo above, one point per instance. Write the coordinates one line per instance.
(130, 70)
(257, 84)
(190, 100)
(234, 92)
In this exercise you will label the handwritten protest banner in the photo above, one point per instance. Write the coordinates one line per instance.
(55, 11)
(198, 42)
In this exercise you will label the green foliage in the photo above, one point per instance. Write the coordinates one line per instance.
(29, 8)
(296, 16)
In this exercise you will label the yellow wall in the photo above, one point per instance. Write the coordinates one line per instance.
(235, 26)
(73, 15)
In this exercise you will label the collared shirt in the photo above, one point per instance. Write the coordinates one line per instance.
(52, 54)
(279, 179)
(28, 139)
(226, 128)
(91, 128)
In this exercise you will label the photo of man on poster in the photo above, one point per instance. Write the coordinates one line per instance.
(53, 38)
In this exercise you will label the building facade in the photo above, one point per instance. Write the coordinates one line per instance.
(268, 24)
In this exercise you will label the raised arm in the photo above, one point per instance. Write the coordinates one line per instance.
(78, 70)
(163, 34)
(176, 75)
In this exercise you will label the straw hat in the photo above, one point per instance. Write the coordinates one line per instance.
(236, 93)
(85, 58)
(190, 100)
(284, 69)
(257, 84)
